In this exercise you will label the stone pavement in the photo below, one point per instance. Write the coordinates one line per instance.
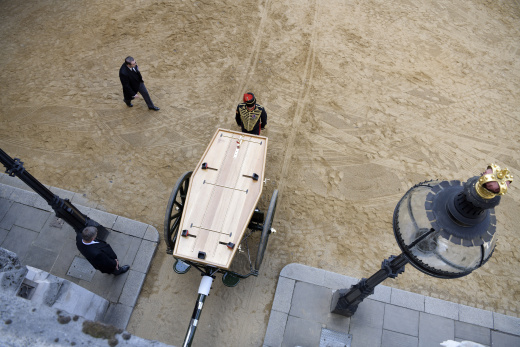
(47, 246)
(300, 316)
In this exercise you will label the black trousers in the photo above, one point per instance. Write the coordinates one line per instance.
(146, 96)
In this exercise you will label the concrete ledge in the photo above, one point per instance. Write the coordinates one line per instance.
(27, 324)
(506, 324)
(151, 234)
(6, 191)
(24, 196)
(275, 329)
(407, 299)
(441, 308)
(476, 316)
(283, 295)
(303, 273)
(144, 256)
(389, 317)
(118, 315)
(132, 288)
(130, 227)
(122, 294)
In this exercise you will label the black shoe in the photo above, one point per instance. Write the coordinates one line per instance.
(155, 108)
(129, 105)
(122, 270)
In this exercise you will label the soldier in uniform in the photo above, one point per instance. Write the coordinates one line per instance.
(251, 116)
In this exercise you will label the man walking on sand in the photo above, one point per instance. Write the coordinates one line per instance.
(133, 83)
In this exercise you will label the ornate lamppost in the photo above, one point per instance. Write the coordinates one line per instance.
(445, 229)
(64, 209)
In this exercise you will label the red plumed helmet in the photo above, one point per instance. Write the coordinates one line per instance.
(249, 99)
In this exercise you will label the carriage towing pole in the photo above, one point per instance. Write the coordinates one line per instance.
(204, 288)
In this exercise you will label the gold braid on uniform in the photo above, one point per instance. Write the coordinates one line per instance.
(249, 118)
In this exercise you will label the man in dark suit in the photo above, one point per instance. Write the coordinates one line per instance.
(98, 252)
(133, 83)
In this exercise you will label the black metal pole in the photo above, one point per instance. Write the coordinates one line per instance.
(197, 311)
(345, 301)
(204, 288)
(64, 209)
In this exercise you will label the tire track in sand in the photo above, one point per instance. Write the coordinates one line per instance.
(301, 101)
(247, 299)
(253, 290)
(253, 55)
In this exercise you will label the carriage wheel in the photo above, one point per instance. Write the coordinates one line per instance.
(266, 230)
(174, 209)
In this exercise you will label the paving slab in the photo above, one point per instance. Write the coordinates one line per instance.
(143, 256)
(3, 235)
(63, 262)
(13, 181)
(500, 339)
(5, 205)
(316, 299)
(118, 315)
(82, 200)
(81, 269)
(151, 234)
(17, 215)
(366, 325)
(104, 218)
(284, 294)
(402, 320)
(52, 233)
(476, 316)
(18, 241)
(441, 308)
(275, 329)
(506, 324)
(130, 227)
(471, 332)
(125, 246)
(132, 288)
(40, 239)
(23, 196)
(40, 258)
(391, 318)
(303, 273)
(395, 339)
(407, 299)
(435, 329)
(6, 191)
(301, 332)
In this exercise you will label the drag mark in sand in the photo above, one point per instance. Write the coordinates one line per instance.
(255, 50)
(302, 100)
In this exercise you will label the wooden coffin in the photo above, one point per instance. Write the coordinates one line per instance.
(223, 193)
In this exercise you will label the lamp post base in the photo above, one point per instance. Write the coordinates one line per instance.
(345, 301)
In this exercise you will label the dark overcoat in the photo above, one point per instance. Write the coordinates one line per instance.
(130, 80)
(100, 254)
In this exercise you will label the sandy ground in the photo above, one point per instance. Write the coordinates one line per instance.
(365, 99)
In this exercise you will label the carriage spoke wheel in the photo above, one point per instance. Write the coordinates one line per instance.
(172, 219)
(266, 230)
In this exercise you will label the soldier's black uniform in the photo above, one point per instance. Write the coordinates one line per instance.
(251, 121)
